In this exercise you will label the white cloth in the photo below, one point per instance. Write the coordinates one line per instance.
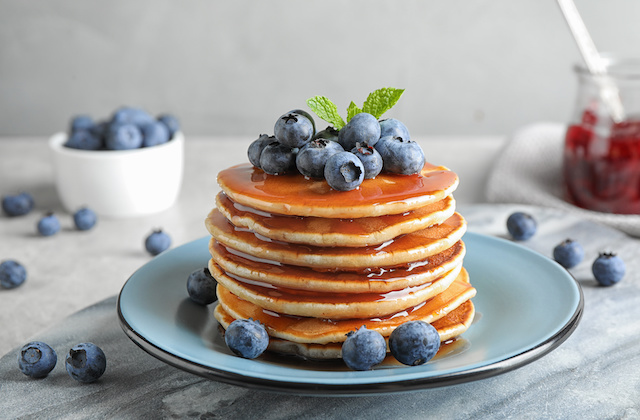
(529, 171)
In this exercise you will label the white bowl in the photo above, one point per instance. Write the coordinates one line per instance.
(118, 183)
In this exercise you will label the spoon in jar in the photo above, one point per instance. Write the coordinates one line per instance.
(595, 64)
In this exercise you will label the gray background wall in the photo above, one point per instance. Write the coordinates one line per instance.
(232, 67)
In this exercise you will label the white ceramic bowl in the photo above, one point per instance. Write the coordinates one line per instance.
(118, 183)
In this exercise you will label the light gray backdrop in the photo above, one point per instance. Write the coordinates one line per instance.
(232, 67)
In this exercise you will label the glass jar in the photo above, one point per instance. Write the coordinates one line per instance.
(602, 157)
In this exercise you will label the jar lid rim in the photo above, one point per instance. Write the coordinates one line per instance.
(619, 67)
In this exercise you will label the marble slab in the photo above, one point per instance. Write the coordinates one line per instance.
(595, 374)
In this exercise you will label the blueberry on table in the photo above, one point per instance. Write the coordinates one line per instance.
(293, 130)
(608, 269)
(568, 253)
(521, 226)
(85, 218)
(246, 338)
(257, 146)
(277, 158)
(37, 359)
(48, 225)
(17, 205)
(157, 242)
(123, 137)
(363, 349)
(414, 343)
(154, 133)
(363, 128)
(85, 362)
(171, 122)
(394, 128)
(312, 158)
(12, 274)
(400, 156)
(370, 158)
(201, 286)
(84, 140)
(344, 171)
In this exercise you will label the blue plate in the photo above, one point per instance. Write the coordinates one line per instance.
(526, 305)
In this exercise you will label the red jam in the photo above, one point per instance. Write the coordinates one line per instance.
(602, 170)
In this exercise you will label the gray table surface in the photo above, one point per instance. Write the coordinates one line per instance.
(594, 374)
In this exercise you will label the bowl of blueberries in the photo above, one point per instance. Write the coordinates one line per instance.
(130, 164)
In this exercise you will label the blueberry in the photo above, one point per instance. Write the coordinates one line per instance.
(608, 269)
(344, 171)
(157, 242)
(171, 122)
(414, 343)
(81, 122)
(394, 128)
(36, 359)
(363, 349)
(123, 137)
(328, 133)
(84, 140)
(521, 226)
(131, 115)
(201, 286)
(154, 133)
(85, 362)
(99, 130)
(17, 205)
(277, 158)
(293, 130)
(312, 158)
(12, 274)
(363, 128)
(49, 224)
(257, 146)
(568, 253)
(306, 114)
(85, 218)
(400, 156)
(246, 338)
(370, 158)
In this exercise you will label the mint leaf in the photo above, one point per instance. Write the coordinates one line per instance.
(327, 110)
(381, 100)
(352, 110)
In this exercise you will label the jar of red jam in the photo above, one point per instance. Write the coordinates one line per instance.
(602, 155)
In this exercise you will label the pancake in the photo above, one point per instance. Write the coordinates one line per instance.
(378, 280)
(295, 195)
(352, 232)
(402, 250)
(331, 305)
(322, 331)
(450, 326)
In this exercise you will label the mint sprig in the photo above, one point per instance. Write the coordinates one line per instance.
(327, 110)
(377, 103)
(381, 100)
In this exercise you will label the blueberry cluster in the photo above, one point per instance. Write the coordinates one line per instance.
(85, 362)
(127, 128)
(608, 268)
(360, 150)
(412, 343)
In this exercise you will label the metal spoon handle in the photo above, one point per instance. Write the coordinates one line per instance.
(596, 66)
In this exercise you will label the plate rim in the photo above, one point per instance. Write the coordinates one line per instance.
(316, 388)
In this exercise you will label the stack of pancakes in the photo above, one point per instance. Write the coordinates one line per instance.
(312, 263)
